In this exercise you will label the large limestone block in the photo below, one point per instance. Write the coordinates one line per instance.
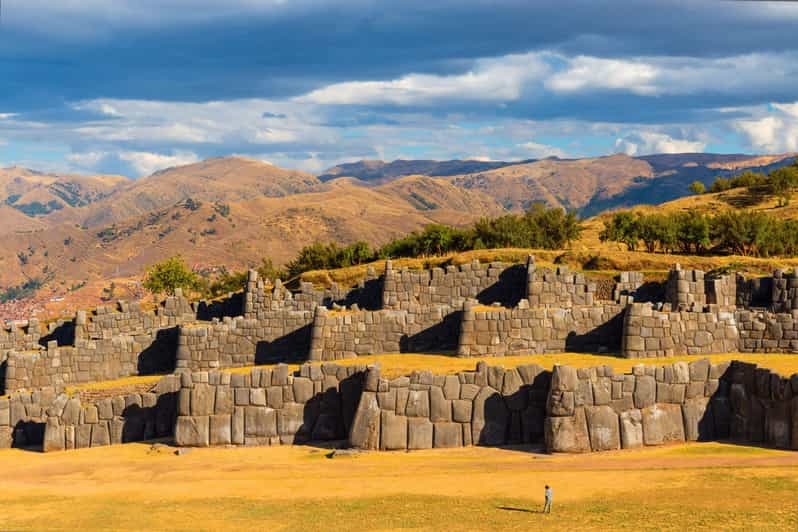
(602, 391)
(489, 418)
(237, 428)
(631, 429)
(393, 433)
(365, 432)
(202, 399)
(564, 378)
(71, 415)
(448, 435)
(461, 411)
(303, 389)
(6, 437)
(192, 431)
(260, 421)
(82, 436)
(220, 429)
(417, 403)
(419, 433)
(699, 370)
(224, 400)
(777, 424)
(561, 403)
(662, 424)
(100, 435)
(290, 420)
(54, 439)
(602, 422)
(699, 424)
(440, 408)
(645, 393)
(451, 387)
(116, 428)
(567, 434)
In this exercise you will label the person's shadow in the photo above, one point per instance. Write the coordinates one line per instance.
(524, 510)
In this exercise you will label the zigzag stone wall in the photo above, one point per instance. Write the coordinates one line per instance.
(489, 406)
(595, 410)
(267, 406)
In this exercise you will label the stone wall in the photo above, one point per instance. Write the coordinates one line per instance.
(267, 406)
(54, 421)
(685, 289)
(490, 331)
(649, 333)
(560, 288)
(721, 291)
(20, 336)
(626, 288)
(489, 406)
(767, 332)
(595, 410)
(346, 334)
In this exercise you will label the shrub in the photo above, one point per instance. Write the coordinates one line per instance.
(166, 276)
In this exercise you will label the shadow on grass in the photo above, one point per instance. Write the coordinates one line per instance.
(523, 510)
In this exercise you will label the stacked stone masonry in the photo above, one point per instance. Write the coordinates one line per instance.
(560, 288)
(596, 410)
(652, 333)
(489, 406)
(267, 406)
(490, 331)
(685, 289)
(55, 421)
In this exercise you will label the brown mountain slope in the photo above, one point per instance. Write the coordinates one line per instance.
(224, 179)
(379, 172)
(560, 183)
(236, 234)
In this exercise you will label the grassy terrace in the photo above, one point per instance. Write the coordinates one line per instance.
(395, 365)
(707, 486)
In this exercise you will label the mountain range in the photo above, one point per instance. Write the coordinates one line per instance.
(69, 230)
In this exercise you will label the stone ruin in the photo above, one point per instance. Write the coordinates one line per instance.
(469, 310)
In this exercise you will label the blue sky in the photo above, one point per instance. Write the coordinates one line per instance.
(132, 86)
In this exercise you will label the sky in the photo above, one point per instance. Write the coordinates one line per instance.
(133, 86)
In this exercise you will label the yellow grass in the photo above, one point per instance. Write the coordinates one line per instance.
(131, 487)
(116, 383)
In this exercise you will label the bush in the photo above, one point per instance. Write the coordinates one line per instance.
(166, 276)
(697, 187)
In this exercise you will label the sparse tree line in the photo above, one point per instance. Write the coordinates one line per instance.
(780, 183)
(747, 233)
(539, 227)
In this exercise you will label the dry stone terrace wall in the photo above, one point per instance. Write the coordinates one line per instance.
(524, 330)
(51, 421)
(267, 406)
(654, 333)
(489, 406)
(767, 332)
(560, 288)
(20, 336)
(685, 289)
(595, 410)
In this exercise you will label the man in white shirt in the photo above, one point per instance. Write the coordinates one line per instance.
(547, 506)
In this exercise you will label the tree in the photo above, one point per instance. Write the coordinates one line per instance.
(166, 276)
(624, 228)
(697, 187)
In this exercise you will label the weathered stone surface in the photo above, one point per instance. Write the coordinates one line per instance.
(192, 431)
(365, 432)
(662, 424)
(417, 404)
(777, 425)
(440, 407)
(567, 434)
(699, 370)
(100, 435)
(631, 422)
(461, 411)
(698, 421)
(645, 393)
(561, 403)
(451, 387)
(303, 389)
(82, 436)
(447, 435)
(489, 418)
(290, 419)
(221, 429)
(202, 399)
(393, 433)
(53, 437)
(237, 435)
(419, 433)
(224, 400)
(603, 428)
(564, 378)
(602, 392)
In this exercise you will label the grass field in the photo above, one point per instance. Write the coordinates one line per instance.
(707, 486)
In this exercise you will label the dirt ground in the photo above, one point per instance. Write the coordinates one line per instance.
(706, 486)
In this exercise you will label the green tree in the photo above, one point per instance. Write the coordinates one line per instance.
(624, 228)
(697, 187)
(165, 276)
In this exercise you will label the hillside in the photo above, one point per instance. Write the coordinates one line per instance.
(235, 234)
(221, 179)
(377, 172)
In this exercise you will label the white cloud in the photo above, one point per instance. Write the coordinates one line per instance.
(588, 73)
(146, 163)
(655, 76)
(540, 151)
(495, 80)
(648, 142)
(773, 131)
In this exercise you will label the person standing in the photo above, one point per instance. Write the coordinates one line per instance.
(547, 505)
